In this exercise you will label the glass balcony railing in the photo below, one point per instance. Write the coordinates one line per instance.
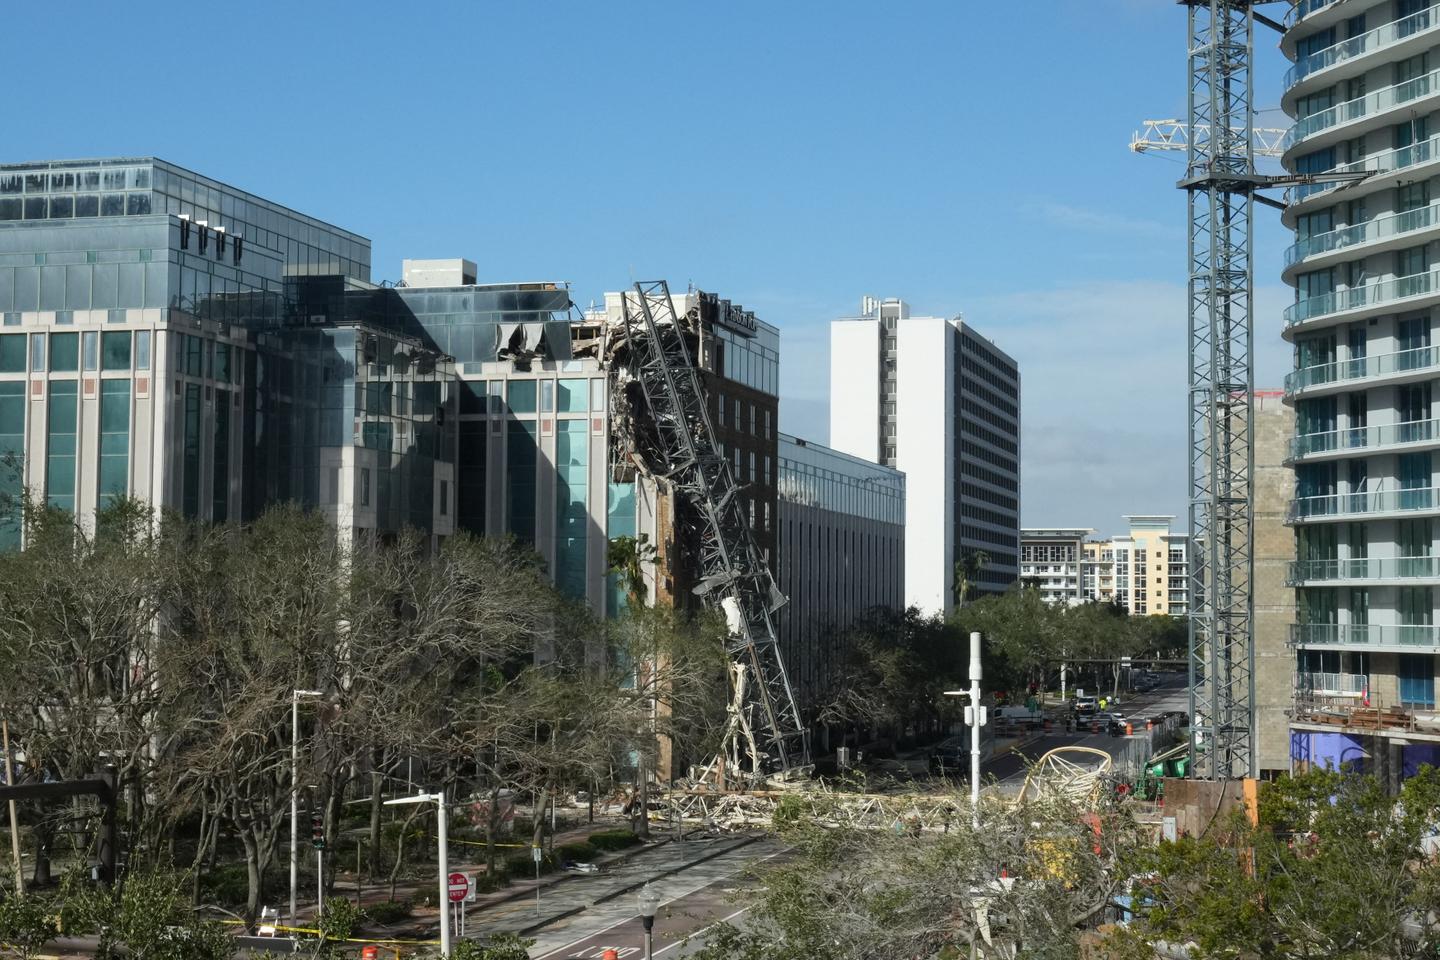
(1368, 295)
(1368, 105)
(1364, 634)
(1363, 503)
(1313, 683)
(1303, 9)
(1381, 228)
(1365, 438)
(1363, 368)
(1381, 568)
(1388, 161)
(1369, 42)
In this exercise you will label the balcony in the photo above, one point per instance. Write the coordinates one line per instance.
(1311, 683)
(1374, 231)
(1363, 569)
(1377, 165)
(1372, 503)
(1385, 294)
(1418, 360)
(1370, 439)
(1303, 9)
(1372, 104)
(1373, 41)
(1419, 638)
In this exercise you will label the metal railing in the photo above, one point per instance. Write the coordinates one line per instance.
(1364, 438)
(1381, 228)
(1364, 634)
(1309, 683)
(1388, 161)
(1371, 294)
(1303, 9)
(1363, 568)
(1364, 502)
(1361, 368)
(1368, 42)
(1368, 105)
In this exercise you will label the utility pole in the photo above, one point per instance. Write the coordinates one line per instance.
(14, 817)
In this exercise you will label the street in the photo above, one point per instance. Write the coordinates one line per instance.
(1008, 770)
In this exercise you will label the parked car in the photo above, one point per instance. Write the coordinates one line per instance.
(1085, 705)
(951, 758)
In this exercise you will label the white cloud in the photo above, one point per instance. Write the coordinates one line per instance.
(1098, 221)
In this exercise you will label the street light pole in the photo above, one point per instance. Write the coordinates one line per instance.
(975, 718)
(649, 900)
(442, 833)
(295, 696)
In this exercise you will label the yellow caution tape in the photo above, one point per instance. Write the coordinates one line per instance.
(315, 932)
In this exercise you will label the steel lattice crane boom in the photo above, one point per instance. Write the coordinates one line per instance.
(733, 577)
(1174, 135)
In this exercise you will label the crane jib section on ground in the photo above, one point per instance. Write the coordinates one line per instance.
(732, 575)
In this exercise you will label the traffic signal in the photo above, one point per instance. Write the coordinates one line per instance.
(317, 831)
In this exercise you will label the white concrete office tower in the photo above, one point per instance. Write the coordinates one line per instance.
(1364, 90)
(935, 399)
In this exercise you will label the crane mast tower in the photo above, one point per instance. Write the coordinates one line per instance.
(1221, 186)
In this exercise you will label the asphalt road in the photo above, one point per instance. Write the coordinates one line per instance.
(1009, 769)
(691, 902)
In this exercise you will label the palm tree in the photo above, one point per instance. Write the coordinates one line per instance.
(967, 568)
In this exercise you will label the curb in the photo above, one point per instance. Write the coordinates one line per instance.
(756, 838)
(554, 918)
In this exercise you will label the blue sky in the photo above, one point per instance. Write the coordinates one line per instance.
(794, 156)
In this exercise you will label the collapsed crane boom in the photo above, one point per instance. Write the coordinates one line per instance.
(732, 575)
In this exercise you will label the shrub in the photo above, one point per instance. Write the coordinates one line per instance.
(608, 840)
(389, 912)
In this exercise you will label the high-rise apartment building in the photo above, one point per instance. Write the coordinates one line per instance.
(1051, 559)
(1364, 91)
(941, 403)
(1145, 571)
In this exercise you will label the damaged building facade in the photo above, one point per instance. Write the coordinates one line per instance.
(172, 338)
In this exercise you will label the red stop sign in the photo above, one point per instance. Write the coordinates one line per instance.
(459, 887)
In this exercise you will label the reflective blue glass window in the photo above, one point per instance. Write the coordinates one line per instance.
(37, 353)
(521, 453)
(522, 396)
(572, 448)
(60, 449)
(12, 454)
(90, 344)
(572, 395)
(114, 439)
(115, 350)
(142, 349)
(64, 352)
(12, 353)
